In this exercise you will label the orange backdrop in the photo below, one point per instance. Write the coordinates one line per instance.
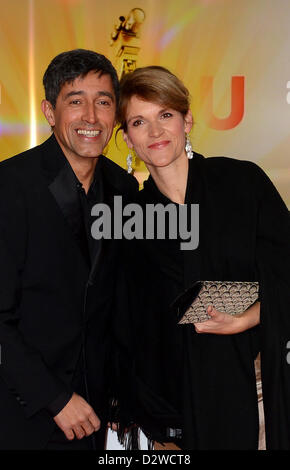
(232, 55)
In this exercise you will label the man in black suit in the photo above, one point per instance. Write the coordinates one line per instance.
(56, 281)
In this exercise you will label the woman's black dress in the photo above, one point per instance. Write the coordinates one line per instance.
(199, 390)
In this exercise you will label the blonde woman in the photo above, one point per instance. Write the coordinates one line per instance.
(195, 385)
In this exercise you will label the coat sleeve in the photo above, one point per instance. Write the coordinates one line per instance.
(22, 368)
(273, 260)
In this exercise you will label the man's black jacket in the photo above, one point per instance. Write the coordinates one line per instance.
(53, 305)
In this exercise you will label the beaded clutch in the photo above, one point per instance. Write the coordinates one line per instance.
(230, 297)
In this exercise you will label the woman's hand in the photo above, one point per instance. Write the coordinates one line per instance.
(225, 324)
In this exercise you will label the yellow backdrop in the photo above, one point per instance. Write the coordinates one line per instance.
(234, 56)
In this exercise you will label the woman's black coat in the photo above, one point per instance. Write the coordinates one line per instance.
(205, 383)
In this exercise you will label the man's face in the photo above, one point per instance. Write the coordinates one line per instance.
(84, 116)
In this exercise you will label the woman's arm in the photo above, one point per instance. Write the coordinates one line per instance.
(225, 324)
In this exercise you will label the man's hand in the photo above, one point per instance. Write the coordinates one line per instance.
(77, 418)
(225, 324)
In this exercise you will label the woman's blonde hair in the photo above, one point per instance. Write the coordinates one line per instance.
(155, 84)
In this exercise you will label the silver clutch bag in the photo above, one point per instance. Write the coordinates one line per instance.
(230, 297)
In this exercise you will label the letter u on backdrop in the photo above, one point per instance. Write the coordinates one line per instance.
(237, 103)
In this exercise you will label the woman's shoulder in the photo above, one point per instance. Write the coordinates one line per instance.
(229, 163)
(230, 168)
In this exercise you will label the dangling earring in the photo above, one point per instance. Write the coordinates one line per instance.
(188, 148)
(129, 163)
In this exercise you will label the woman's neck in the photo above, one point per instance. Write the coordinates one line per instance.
(171, 180)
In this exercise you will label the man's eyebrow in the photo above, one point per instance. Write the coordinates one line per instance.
(73, 93)
(106, 93)
(81, 92)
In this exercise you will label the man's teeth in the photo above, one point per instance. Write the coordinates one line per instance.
(88, 133)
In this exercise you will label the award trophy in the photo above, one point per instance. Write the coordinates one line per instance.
(126, 44)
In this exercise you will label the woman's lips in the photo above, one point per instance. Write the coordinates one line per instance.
(159, 145)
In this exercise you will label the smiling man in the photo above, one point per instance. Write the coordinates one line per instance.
(56, 281)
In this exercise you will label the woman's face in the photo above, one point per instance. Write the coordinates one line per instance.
(155, 132)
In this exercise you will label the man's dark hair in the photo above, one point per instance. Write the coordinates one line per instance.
(68, 66)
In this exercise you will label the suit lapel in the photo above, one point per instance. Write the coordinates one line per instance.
(62, 184)
(64, 190)
(106, 196)
(112, 185)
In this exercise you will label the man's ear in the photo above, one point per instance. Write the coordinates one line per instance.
(127, 140)
(188, 121)
(48, 112)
